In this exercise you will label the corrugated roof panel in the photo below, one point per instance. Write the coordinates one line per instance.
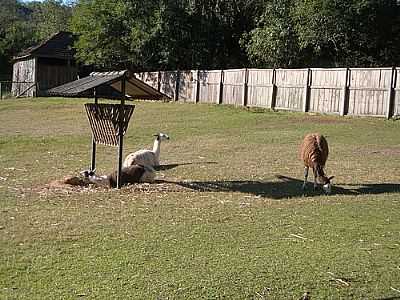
(108, 85)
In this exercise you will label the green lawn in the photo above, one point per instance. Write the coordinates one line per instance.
(229, 222)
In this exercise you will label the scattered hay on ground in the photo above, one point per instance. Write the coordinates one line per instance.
(74, 184)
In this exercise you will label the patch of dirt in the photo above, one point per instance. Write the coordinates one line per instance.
(60, 187)
(156, 187)
(76, 185)
(389, 151)
(322, 119)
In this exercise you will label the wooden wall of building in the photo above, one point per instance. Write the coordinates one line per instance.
(32, 76)
(51, 74)
(24, 78)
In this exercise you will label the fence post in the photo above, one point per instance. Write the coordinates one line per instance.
(390, 100)
(1, 91)
(176, 97)
(306, 96)
(345, 98)
(396, 101)
(196, 87)
(221, 87)
(244, 92)
(273, 89)
(159, 81)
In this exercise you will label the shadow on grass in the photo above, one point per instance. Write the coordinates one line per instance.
(286, 187)
(389, 298)
(172, 166)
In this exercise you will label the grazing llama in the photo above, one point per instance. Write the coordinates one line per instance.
(314, 153)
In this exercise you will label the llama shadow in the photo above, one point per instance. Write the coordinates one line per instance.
(285, 188)
(172, 166)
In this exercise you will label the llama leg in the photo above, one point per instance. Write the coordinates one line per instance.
(305, 177)
(315, 181)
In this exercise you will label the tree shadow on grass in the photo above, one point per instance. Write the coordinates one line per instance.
(285, 188)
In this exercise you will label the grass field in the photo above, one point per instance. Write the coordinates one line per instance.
(230, 222)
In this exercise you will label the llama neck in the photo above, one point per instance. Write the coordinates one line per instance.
(321, 174)
(319, 170)
(156, 147)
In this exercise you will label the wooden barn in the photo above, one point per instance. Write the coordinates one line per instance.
(44, 66)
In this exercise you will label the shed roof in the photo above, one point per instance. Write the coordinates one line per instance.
(58, 46)
(107, 85)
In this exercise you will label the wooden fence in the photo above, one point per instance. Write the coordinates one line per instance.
(343, 91)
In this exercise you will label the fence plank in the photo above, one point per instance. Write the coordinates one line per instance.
(290, 84)
(328, 90)
(151, 78)
(368, 91)
(396, 110)
(168, 82)
(186, 86)
(234, 87)
(260, 87)
(209, 86)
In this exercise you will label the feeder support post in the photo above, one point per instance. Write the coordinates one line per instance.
(121, 132)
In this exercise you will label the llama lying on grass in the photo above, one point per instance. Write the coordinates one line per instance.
(131, 174)
(314, 152)
(147, 157)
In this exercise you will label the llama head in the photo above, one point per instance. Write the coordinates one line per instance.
(323, 179)
(161, 136)
(87, 173)
(326, 183)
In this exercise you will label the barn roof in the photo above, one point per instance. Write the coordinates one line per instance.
(58, 46)
(108, 85)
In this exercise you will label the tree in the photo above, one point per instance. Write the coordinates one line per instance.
(113, 34)
(15, 33)
(349, 32)
(23, 25)
(49, 17)
(326, 33)
(163, 34)
(274, 43)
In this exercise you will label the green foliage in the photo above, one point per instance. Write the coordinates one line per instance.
(327, 33)
(349, 33)
(50, 16)
(23, 25)
(15, 33)
(274, 42)
(163, 34)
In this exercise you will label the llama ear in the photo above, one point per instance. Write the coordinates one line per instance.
(330, 178)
